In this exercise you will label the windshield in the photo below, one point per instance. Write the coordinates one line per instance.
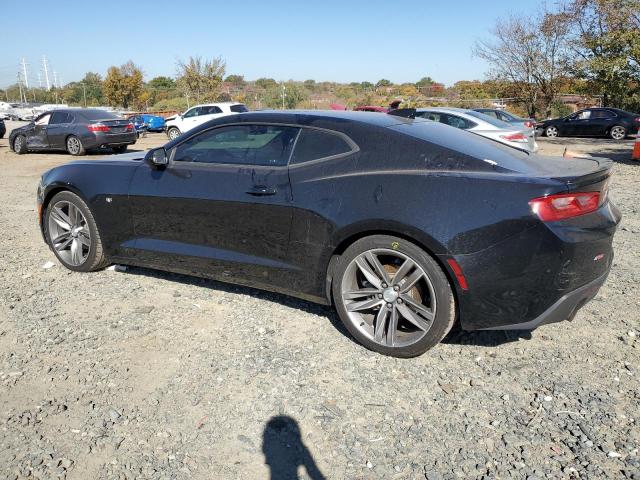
(493, 121)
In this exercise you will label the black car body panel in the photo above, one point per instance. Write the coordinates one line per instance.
(459, 196)
(599, 123)
(3, 128)
(75, 121)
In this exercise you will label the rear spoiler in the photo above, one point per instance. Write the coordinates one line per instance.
(403, 112)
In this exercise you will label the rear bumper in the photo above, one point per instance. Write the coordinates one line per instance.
(110, 140)
(564, 309)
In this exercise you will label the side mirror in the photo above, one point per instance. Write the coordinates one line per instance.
(157, 157)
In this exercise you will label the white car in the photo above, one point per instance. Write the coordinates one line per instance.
(200, 114)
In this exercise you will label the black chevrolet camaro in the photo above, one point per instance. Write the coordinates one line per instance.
(404, 225)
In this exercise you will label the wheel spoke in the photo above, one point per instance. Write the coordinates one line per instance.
(412, 317)
(377, 266)
(368, 273)
(392, 328)
(381, 320)
(63, 244)
(411, 280)
(84, 240)
(365, 292)
(404, 269)
(419, 308)
(76, 252)
(364, 304)
(61, 218)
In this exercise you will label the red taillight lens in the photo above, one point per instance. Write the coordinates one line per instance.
(529, 124)
(130, 127)
(515, 137)
(565, 205)
(97, 127)
(637, 119)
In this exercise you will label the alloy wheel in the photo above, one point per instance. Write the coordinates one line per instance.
(618, 133)
(69, 233)
(389, 298)
(174, 133)
(17, 143)
(73, 145)
(551, 132)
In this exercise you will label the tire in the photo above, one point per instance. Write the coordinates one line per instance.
(361, 299)
(20, 145)
(551, 132)
(120, 149)
(618, 132)
(173, 133)
(74, 146)
(83, 235)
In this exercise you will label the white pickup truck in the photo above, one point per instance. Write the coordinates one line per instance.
(200, 114)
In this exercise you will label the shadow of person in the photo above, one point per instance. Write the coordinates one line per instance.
(284, 450)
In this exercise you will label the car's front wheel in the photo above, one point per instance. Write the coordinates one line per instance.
(20, 144)
(551, 132)
(173, 133)
(618, 132)
(74, 146)
(72, 233)
(392, 296)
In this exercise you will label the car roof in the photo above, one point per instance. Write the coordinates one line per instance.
(307, 117)
(217, 104)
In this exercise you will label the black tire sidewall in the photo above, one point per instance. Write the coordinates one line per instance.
(95, 249)
(445, 310)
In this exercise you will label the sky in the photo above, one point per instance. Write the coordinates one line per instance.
(343, 41)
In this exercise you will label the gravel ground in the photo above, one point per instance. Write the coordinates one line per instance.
(142, 374)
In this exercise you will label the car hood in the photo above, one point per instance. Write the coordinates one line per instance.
(112, 159)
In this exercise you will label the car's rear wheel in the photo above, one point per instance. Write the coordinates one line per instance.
(120, 149)
(74, 146)
(72, 233)
(20, 144)
(551, 132)
(173, 133)
(392, 296)
(618, 132)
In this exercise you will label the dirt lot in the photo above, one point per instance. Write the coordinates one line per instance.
(142, 374)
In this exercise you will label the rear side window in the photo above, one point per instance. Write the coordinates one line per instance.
(602, 114)
(239, 108)
(210, 110)
(59, 117)
(491, 113)
(99, 115)
(315, 144)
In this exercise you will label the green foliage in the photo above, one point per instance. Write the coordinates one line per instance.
(201, 79)
(236, 80)
(123, 85)
(383, 82)
(162, 83)
(265, 83)
(294, 94)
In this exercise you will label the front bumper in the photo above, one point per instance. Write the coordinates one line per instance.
(564, 309)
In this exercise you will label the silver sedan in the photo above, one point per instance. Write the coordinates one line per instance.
(481, 124)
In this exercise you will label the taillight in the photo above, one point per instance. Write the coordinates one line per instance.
(98, 127)
(637, 119)
(514, 137)
(130, 127)
(565, 205)
(529, 124)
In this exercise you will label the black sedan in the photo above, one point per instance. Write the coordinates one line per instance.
(405, 225)
(592, 122)
(74, 130)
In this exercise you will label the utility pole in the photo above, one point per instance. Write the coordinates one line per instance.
(46, 72)
(283, 94)
(84, 94)
(55, 80)
(39, 79)
(20, 87)
(24, 71)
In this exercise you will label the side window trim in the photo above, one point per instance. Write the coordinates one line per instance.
(174, 163)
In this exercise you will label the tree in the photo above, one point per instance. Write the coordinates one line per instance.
(161, 82)
(424, 82)
(294, 94)
(236, 80)
(531, 55)
(201, 79)
(266, 83)
(383, 82)
(606, 40)
(123, 85)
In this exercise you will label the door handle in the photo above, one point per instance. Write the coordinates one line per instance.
(261, 190)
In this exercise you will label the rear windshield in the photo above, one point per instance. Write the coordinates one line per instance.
(98, 115)
(493, 121)
(239, 108)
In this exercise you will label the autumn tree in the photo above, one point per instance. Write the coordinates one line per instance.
(201, 78)
(123, 85)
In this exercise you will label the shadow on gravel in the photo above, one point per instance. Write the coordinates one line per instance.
(285, 300)
(619, 152)
(485, 338)
(284, 451)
